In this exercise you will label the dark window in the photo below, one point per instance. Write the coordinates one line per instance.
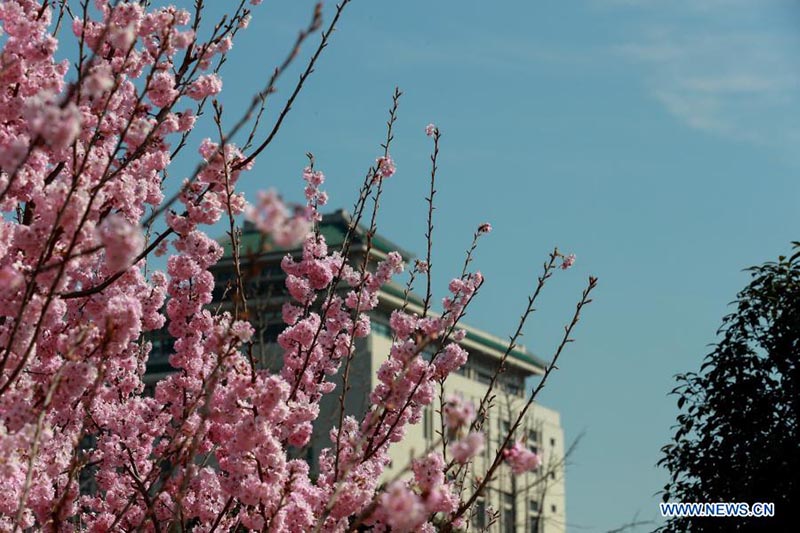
(533, 523)
(509, 516)
(482, 376)
(427, 423)
(487, 427)
(509, 524)
(479, 518)
(272, 331)
(381, 329)
(513, 388)
(505, 428)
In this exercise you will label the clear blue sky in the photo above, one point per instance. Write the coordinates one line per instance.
(656, 140)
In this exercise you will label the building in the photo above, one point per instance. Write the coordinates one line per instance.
(533, 502)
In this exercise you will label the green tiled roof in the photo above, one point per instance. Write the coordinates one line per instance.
(517, 353)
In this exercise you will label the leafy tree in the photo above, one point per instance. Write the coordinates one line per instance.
(737, 434)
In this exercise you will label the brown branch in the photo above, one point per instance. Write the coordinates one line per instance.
(309, 69)
(429, 232)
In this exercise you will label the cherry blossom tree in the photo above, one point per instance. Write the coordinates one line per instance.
(85, 149)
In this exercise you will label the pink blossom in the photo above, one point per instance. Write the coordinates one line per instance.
(484, 228)
(162, 89)
(403, 324)
(404, 509)
(186, 120)
(458, 412)
(10, 279)
(568, 261)
(430, 129)
(468, 447)
(122, 37)
(386, 167)
(272, 217)
(99, 81)
(521, 459)
(451, 359)
(122, 242)
(59, 127)
(204, 86)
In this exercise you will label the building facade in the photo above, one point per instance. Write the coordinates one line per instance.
(533, 502)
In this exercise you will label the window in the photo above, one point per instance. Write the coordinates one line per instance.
(552, 442)
(510, 383)
(533, 436)
(487, 427)
(509, 516)
(479, 517)
(272, 331)
(553, 508)
(427, 422)
(505, 427)
(381, 329)
(533, 516)
(482, 376)
(509, 524)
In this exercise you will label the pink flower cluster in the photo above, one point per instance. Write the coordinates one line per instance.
(458, 412)
(386, 167)
(122, 241)
(288, 229)
(465, 449)
(315, 197)
(521, 459)
(271, 216)
(405, 507)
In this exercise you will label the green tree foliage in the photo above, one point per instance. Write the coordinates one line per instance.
(737, 438)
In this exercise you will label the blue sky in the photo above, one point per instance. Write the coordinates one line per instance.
(656, 140)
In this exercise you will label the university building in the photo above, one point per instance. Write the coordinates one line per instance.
(533, 502)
